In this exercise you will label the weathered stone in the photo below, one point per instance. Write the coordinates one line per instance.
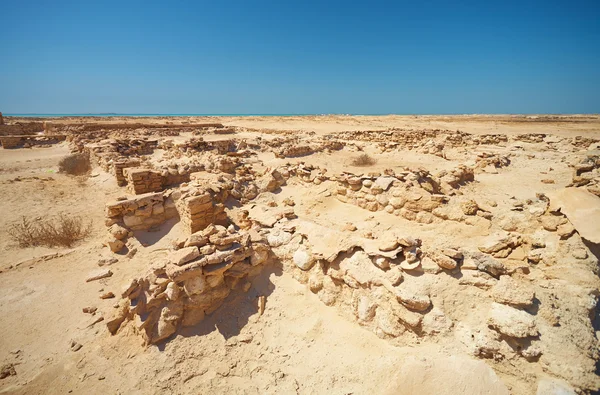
(197, 239)
(388, 242)
(412, 300)
(512, 322)
(443, 261)
(365, 309)
(511, 292)
(184, 255)
(99, 274)
(303, 259)
(118, 231)
(115, 245)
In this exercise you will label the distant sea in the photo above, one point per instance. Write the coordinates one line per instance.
(108, 115)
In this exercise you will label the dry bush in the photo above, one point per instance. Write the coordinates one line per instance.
(363, 160)
(75, 164)
(59, 231)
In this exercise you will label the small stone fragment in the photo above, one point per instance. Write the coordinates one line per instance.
(100, 274)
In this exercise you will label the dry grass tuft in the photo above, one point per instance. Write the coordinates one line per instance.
(363, 160)
(75, 164)
(59, 231)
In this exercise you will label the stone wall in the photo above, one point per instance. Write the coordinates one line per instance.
(120, 166)
(199, 210)
(192, 281)
(141, 181)
(29, 141)
(141, 212)
(19, 129)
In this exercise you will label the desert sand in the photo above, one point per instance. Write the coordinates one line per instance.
(259, 255)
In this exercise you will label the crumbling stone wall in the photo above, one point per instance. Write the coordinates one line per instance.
(199, 209)
(26, 141)
(141, 181)
(21, 129)
(192, 281)
(141, 212)
(120, 166)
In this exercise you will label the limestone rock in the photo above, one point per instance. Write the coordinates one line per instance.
(388, 242)
(511, 292)
(436, 321)
(413, 300)
(553, 386)
(365, 309)
(197, 239)
(565, 231)
(184, 255)
(99, 274)
(452, 253)
(469, 207)
(512, 322)
(115, 245)
(444, 261)
(118, 231)
(303, 259)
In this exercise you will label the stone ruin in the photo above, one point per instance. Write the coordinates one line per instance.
(395, 284)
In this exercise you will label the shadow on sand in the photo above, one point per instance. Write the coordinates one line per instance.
(235, 312)
(154, 235)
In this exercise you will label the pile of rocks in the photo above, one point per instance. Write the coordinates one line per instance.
(587, 174)
(192, 281)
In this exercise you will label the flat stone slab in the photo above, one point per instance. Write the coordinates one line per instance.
(99, 274)
(582, 208)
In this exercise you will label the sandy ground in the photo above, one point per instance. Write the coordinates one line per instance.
(298, 345)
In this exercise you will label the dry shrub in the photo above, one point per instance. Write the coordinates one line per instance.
(363, 160)
(75, 164)
(59, 231)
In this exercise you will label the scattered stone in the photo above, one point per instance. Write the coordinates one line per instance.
(444, 261)
(452, 253)
(413, 300)
(115, 245)
(118, 231)
(469, 207)
(99, 274)
(8, 369)
(75, 346)
(107, 295)
(90, 310)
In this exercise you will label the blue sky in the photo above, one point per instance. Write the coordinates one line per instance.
(269, 57)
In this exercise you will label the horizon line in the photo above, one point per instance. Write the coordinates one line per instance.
(112, 114)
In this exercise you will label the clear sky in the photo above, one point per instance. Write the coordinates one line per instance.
(284, 56)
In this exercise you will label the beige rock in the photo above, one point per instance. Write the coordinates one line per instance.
(565, 231)
(99, 274)
(303, 259)
(511, 292)
(512, 322)
(118, 231)
(413, 300)
(388, 242)
(184, 255)
(443, 261)
(115, 245)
